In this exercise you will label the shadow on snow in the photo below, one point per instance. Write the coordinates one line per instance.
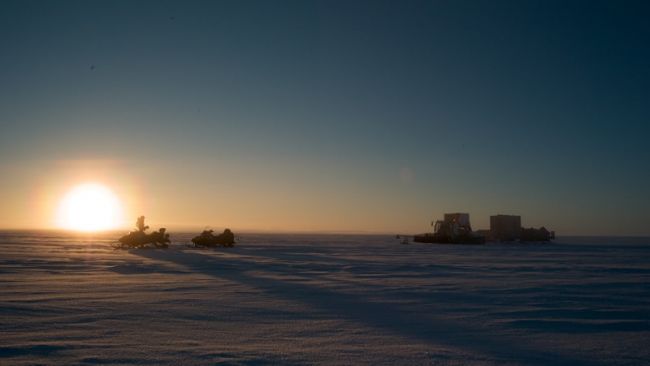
(390, 317)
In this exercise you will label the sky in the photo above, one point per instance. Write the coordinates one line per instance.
(332, 116)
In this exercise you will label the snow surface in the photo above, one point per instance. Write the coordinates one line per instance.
(323, 299)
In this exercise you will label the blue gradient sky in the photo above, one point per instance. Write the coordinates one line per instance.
(331, 116)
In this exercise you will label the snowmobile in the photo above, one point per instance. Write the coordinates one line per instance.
(140, 239)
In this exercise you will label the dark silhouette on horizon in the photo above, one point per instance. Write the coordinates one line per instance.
(208, 239)
(140, 239)
(454, 229)
(532, 234)
(507, 228)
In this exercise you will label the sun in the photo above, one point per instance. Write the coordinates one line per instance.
(89, 207)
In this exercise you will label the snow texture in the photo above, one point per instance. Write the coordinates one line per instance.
(323, 299)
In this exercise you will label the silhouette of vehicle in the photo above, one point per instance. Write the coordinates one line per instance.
(208, 239)
(454, 229)
(532, 234)
(140, 239)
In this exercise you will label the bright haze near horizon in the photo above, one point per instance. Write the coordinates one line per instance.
(329, 116)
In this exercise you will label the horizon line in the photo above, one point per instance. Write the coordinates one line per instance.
(188, 230)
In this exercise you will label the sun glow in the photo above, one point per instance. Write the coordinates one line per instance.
(89, 207)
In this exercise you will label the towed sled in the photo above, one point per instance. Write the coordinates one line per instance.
(208, 239)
